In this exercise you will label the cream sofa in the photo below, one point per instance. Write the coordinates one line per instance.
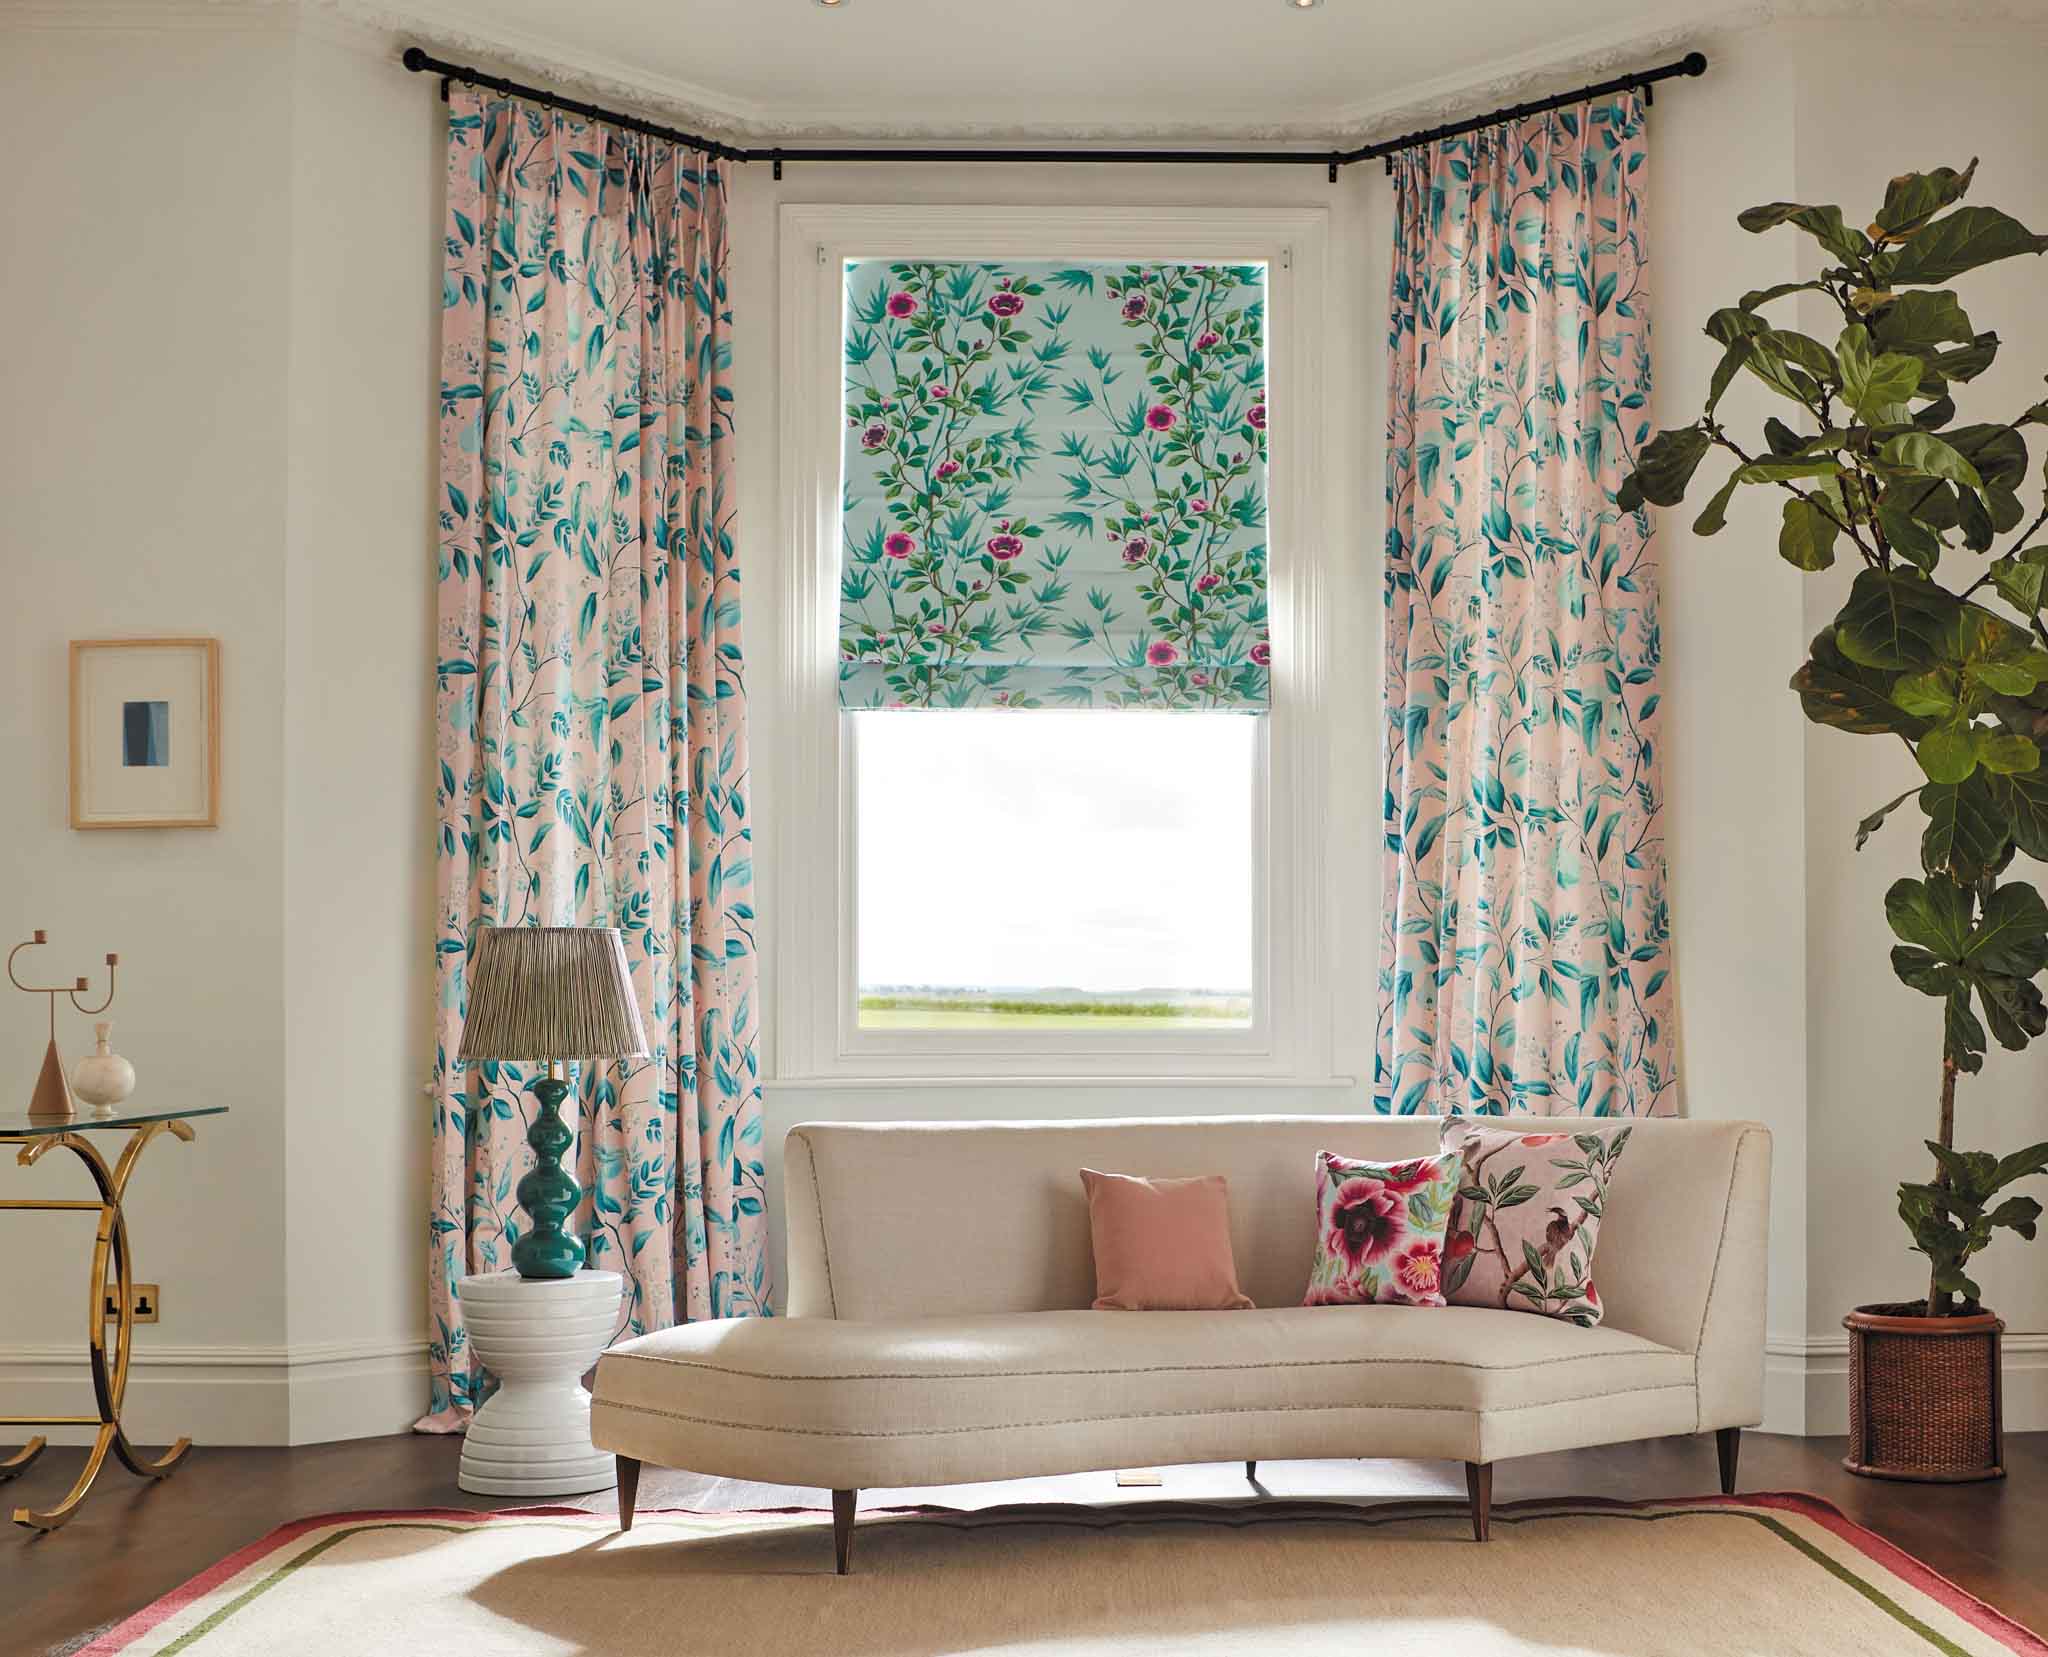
(938, 1330)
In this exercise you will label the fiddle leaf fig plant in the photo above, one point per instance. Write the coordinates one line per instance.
(1942, 643)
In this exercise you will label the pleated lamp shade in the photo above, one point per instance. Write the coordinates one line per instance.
(550, 992)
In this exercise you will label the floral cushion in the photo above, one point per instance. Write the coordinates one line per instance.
(1527, 1217)
(1380, 1230)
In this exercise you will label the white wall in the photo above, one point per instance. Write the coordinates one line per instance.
(1734, 755)
(219, 365)
(359, 674)
(226, 340)
(145, 288)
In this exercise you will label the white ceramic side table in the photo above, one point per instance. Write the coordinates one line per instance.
(538, 1336)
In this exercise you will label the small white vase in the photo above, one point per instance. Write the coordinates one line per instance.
(103, 1077)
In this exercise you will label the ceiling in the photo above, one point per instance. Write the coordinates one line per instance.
(1074, 68)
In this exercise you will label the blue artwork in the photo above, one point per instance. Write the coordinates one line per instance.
(145, 733)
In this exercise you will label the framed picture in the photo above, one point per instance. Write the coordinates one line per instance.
(145, 733)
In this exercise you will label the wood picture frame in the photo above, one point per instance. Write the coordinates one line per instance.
(145, 733)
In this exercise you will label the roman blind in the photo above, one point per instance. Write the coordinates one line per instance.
(1054, 486)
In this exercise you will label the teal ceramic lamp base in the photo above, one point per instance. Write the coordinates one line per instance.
(548, 1194)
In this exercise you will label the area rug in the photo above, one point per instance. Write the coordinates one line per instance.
(1726, 1576)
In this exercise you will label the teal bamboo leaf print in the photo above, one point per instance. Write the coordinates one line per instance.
(591, 702)
(1055, 486)
(1525, 951)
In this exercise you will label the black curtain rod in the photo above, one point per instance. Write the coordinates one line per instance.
(1693, 63)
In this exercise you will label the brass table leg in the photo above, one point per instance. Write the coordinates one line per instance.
(25, 1458)
(109, 1372)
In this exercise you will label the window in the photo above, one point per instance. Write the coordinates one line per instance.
(1052, 679)
(1075, 871)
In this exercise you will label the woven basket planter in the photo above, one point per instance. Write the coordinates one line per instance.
(1924, 1396)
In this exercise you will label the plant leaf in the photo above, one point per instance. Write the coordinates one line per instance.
(1868, 826)
(1807, 539)
(1777, 470)
(1966, 834)
(1960, 241)
(2013, 1007)
(1895, 621)
(1823, 224)
(1664, 468)
(1715, 517)
(1924, 317)
(1726, 369)
(1948, 753)
(2023, 800)
(1911, 199)
(1998, 453)
(1929, 456)
(1908, 537)
(1931, 914)
(1849, 696)
(2011, 936)
(2018, 577)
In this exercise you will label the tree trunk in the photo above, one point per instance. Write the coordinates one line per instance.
(1938, 1302)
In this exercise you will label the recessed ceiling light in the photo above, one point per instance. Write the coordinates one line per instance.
(1298, 5)
(831, 5)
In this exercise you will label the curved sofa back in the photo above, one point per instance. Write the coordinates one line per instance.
(917, 1219)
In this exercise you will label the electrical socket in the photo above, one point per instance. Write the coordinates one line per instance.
(144, 1297)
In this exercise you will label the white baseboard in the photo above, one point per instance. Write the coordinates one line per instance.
(1807, 1378)
(307, 1394)
(1784, 1390)
(321, 1392)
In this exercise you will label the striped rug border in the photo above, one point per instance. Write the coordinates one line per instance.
(1887, 1556)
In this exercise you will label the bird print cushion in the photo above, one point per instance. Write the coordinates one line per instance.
(1526, 1218)
(1380, 1230)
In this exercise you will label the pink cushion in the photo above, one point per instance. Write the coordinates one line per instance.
(1162, 1245)
(1380, 1230)
(1528, 1214)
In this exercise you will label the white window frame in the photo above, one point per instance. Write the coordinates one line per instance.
(817, 1037)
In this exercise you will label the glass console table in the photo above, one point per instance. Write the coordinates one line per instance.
(37, 1136)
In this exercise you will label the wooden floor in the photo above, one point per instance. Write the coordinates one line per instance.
(132, 1542)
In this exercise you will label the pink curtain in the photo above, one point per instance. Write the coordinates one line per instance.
(1525, 945)
(592, 700)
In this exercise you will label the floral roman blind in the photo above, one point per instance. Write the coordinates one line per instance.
(1055, 486)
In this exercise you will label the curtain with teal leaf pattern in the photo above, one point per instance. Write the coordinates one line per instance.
(1525, 946)
(591, 709)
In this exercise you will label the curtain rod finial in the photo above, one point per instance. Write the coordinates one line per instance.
(1695, 63)
(413, 58)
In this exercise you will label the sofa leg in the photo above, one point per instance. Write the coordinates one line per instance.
(629, 1490)
(1479, 1489)
(1728, 1445)
(842, 1527)
(1251, 1472)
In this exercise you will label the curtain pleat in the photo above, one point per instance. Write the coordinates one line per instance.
(1525, 942)
(591, 703)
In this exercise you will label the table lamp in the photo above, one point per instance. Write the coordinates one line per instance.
(550, 993)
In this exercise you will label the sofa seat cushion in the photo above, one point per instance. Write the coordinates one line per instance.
(920, 1377)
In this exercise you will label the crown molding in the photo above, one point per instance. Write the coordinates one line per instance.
(145, 15)
(456, 32)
